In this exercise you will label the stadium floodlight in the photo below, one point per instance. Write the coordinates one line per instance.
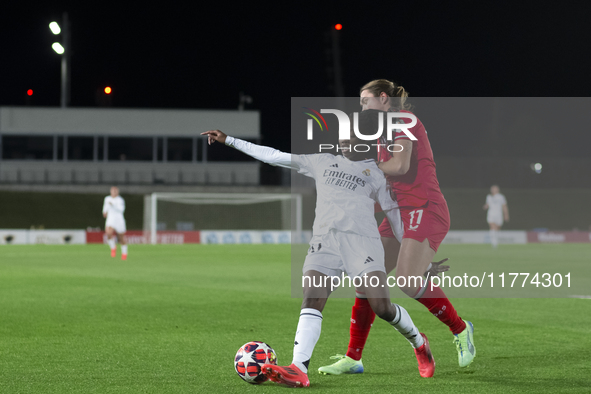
(58, 48)
(63, 48)
(55, 28)
(221, 211)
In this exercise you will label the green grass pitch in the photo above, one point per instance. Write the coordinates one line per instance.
(170, 319)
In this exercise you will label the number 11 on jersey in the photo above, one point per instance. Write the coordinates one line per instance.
(419, 213)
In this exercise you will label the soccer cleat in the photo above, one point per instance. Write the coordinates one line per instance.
(123, 257)
(113, 252)
(425, 359)
(345, 364)
(290, 376)
(465, 345)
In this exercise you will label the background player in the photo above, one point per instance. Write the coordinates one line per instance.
(411, 174)
(498, 210)
(345, 238)
(113, 208)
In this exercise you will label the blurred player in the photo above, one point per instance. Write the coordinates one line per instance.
(411, 174)
(498, 210)
(345, 238)
(113, 209)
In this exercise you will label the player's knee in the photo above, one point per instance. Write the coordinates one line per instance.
(314, 303)
(382, 307)
(407, 286)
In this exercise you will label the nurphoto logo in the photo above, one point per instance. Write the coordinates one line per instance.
(392, 123)
(387, 121)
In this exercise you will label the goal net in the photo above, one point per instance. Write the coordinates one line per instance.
(221, 211)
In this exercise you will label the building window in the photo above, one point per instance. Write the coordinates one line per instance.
(127, 148)
(27, 147)
(180, 149)
(80, 148)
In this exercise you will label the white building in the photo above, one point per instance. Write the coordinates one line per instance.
(123, 146)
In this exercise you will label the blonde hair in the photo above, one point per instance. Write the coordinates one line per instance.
(377, 86)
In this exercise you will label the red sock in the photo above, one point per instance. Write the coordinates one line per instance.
(439, 305)
(362, 317)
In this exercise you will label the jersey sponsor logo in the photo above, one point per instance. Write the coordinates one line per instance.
(342, 179)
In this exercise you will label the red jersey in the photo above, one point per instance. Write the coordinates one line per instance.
(419, 185)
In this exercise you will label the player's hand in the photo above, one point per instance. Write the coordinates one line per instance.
(436, 268)
(104, 215)
(215, 135)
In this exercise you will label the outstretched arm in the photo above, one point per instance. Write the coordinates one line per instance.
(262, 153)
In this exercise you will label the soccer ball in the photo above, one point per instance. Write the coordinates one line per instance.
(250, 358)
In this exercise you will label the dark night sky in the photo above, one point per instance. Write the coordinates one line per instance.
(163, 55)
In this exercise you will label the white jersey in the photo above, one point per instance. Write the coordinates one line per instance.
(495, 203)
(114, 207)
(495, 208)
(346, 190)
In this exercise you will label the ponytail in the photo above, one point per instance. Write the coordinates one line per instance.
(376, 87)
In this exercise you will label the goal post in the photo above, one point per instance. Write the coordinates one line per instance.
(222, 211)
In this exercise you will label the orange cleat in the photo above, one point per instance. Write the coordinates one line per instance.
(123, 257)
(113, 252)
(425, 359)
(290, 376)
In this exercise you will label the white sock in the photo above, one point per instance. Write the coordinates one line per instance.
(123, 249)
(493, 238)
(307, 335)
(404, 325)
(112, 244)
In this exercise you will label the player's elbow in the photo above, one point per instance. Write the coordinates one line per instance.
(403, 168)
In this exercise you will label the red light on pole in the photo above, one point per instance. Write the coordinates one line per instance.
(30, 92)
(338, 26)
(108, 90)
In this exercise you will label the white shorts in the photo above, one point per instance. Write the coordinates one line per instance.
(118, 225)
(495, 218)
(335, 252)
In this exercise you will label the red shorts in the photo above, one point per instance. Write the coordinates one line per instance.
(431, 221)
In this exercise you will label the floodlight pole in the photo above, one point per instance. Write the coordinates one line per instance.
(65, 83)
(339, 89)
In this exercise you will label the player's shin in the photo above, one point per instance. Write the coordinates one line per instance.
(307, 335)
(362, 318)
(494, 238)
(434, 299)
(405, 326)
